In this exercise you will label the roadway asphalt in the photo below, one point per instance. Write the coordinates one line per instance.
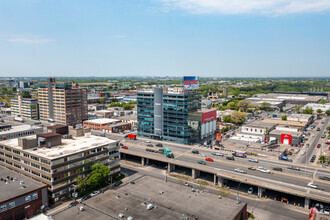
(291, 181)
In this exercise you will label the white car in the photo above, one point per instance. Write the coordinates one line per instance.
(238, 170)
(121, 215)
(203, 155)
(263, 170)
(150, 206)
(312, 185)
(250, 190)
(303, 152)
(217, 154)
(326, 210)
(253, 160)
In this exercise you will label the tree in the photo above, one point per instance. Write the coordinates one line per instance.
(284, 117)
(102, 101)
(127, 106)
(297, 108)
(308, 110)
(25, 93)
(322, 101)
(231, 105)
(243, 105)
(226, 118)
(265, 105)
(327, 112)
(319, 111)
(99, 175)
(238, 117)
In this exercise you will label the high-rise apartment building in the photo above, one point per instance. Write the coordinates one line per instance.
(25, 107)
(63, 103)
(170, 116)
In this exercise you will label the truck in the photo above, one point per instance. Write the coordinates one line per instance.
(19, 119)
(239, 154)
(168, 153)
(131, 136)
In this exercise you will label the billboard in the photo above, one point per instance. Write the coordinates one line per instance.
(218, 136)
(209, 116)
(190, 82)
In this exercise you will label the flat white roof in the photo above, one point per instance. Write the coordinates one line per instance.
(19, 128)
(103, 120)
(68, 146)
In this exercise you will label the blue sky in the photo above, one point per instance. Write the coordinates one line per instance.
(237, 38)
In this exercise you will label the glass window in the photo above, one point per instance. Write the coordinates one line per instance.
(3, 208)
(28, 199)
(35, 196)
(11, 205)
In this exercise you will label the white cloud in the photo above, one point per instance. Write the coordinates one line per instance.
(30, 40)
(267, 7)
(118, 36)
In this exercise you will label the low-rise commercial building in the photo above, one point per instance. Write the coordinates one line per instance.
(315, 107)
(255, 131)
(104, 113)
(132, 119)
(58, 161)
(20, 197)
(296, 124)
(100, 124)
(10, 132)
(286, 135)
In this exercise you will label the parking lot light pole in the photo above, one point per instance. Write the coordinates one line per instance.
(237, 197)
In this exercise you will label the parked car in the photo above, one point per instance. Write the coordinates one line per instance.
(195, 152)
(72, 204)
(318, 146)
(124, 147)
(209, 159)
(118, 183)
(278, 169)
(326, 210)
(201, 162)
(318, 129)
(86, 197)
(250, 190)
(253, 160)
(230, 158)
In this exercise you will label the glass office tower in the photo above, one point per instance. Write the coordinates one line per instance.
(170, 116)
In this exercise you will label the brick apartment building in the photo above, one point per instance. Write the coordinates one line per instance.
(64, 103)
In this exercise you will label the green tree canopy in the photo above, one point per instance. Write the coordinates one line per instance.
(327, 112)
(99, 175)
(238, 117)
(284, 117)
(319, 111)
(308, 110)
(265, 105)
(244, 104)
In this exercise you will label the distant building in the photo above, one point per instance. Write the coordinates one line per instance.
(20, 197)
(25, 107)
(225, 91)
(24, 85)
(101, 124)
(64, 103)
(57, 161)
(104, 113)
(315, 107)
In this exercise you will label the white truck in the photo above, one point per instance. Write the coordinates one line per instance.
(19, 119)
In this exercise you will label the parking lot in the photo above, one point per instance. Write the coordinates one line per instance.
(170, 201)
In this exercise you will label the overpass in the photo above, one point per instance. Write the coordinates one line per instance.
(223, 171)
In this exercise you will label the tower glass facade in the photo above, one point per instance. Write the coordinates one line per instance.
(175, 115)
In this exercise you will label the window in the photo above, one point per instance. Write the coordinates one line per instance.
(11, 205)
(3, 208)
(28, 199)
(34, 196)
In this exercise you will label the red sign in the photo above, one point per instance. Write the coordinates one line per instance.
(218, 136)
(209, 116)
(286, 136)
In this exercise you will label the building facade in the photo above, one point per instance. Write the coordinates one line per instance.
(21, 197)
(58, 162)
(63, 103)
(25, 107)
(170, 116)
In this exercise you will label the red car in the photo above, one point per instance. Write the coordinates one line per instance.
(319, 145)
(124, 147)
(209, 159)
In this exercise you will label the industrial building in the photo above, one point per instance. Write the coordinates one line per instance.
(286, 135)
(255, 131)
(25, 107)
(57, 160)
(21, 197)
(315, 107)
(64, 103)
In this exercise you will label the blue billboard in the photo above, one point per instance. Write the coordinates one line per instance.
(190, 82)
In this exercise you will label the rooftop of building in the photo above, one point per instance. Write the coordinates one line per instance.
(19, 128)
(279, 132)
(104, 111)
(102, 121)
(118, 124)
(56, 126)
(300, 116)
(260, 124)
(130, 117)
(277, 96)
(68, 146)
(14, 188)
(282, 122)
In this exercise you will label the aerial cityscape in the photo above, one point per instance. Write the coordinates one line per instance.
(165, 109)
